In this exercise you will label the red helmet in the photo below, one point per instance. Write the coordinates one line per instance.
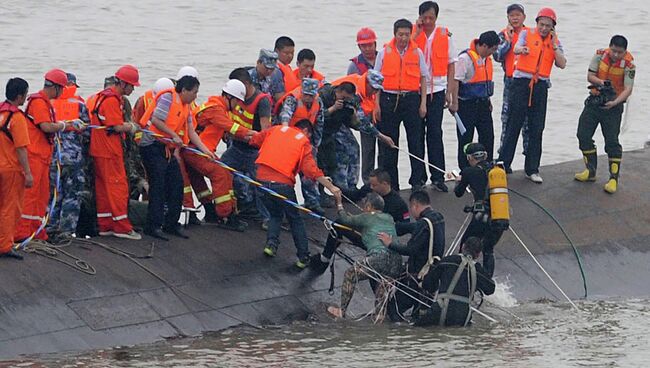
(548, 13)
(57, 76)
(366, 35)
(128, 74)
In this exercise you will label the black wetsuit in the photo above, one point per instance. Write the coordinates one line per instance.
(439, 279)
(476, 179)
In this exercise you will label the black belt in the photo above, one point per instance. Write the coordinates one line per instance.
(403, 94)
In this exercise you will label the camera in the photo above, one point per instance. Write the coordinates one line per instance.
(605, 93)
(348, 104)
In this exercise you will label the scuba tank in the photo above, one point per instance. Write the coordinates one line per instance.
(498, 197)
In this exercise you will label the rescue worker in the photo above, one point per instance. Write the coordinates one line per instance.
(394, 205)
(285, 47)
(285, 151)
(403, 99)
(613, 66)
(360, 64)
(455, 279)
(253, 113)
(425, 247)
(441, 88)
(43, 125)
(475, 176)
(538, 50)
(304, 103)
(305, 63)
(265, 76)
(214, 119)
(111, 187)
(64, 216)
(349, 102)
(473, 72)
(378, 261)
(505, 54)
(15, 173)
(171, 117)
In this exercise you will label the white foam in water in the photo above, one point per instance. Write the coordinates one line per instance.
(502, 296)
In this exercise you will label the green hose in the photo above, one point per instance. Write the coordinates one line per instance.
(575, 250)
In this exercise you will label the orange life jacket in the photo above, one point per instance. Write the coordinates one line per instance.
(294, 82)
(283, 149)
(10, 109)
(481, 84)
(177, 117)
(540, 58)
(509, 60)
(438, 52)
(288, 76)
(360, 83)
(66, 107)
(421, 39)
(301, 110)
(41, 96)
(244, 114)
(614, 72)
(401, 73)
(95, 101)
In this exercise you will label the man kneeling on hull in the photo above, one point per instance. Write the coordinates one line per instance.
(379, 260)
(455, 278)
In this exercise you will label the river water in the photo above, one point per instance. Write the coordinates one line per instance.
(92, 39)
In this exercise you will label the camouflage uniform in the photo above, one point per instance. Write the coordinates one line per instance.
(347, 158)
(65, 214)
(132, 159)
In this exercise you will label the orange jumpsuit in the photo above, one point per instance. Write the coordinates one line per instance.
(39, 152)
(111, 185)
(213, 121)
(12, 177)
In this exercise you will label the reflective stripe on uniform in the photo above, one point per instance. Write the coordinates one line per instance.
(224, 198)
(240, 121)
(234, 128)
(499, 191)
(29, 217)
(122, 217)
(101, 215)
(204, 194)
(187, 189)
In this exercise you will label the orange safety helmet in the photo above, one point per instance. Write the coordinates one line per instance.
(57, 76)
(548, 13)
(128, 74)
(366, 35)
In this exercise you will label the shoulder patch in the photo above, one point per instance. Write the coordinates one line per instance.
(631, 73)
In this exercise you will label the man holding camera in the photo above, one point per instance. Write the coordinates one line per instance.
(611, 77)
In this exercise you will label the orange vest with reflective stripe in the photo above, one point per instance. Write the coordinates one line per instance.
(294, 82)
(509, 60)
(401, 73)
(244, 114)
(359, 81)
(439, 52)
(211, 134)
(66, 107)
(614, 72)
(301, 110)
(540, 58)
(177, 117)
(283, 149)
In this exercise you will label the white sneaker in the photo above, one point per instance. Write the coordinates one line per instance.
(106, 233)
(132, 235)
(535, 178)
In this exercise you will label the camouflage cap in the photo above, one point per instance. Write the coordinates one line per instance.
(310, 86)
(376, 79)
(269, 58)
(72, 79)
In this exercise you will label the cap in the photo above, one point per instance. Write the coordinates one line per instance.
(515, 6)
(376, 79)
(474, 149)
(269, 58)
(366, 35)
(72, 79)
(310, 86)
(109, 81)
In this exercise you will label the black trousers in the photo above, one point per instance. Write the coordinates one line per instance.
(394, 110)
(610, 125)
(165, 187)
(519, 112)
(476, 115)
(433, 129)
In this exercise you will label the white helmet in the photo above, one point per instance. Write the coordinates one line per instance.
(235, 88)
(187, 70)
(162, 84)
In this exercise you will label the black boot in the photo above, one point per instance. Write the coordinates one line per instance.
(591, 162)
(210, 213)
(614, 169)
(193, 219)
(488, 264)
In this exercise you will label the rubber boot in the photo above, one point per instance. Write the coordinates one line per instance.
(591, 162)
(614, 168)
(210, 213)
(488, 264)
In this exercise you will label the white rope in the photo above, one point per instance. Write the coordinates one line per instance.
(459, 235)
(543, 270)
(419, 159)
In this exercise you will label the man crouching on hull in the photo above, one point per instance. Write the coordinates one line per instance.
(455, 278)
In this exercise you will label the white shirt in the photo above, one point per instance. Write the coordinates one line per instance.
(438, 83)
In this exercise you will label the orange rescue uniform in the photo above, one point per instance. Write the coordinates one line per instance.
(111, 185)
(213, 121)
(13, 135)
(39, 110)
(292, 83)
